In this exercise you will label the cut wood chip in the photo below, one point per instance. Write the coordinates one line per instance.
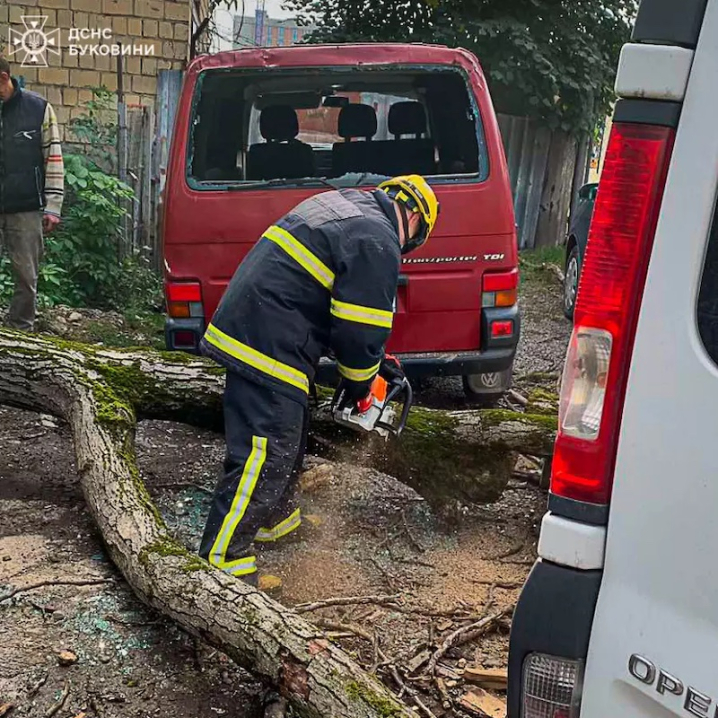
(490, 678)
(444, 625)
(479, 702)
(313, 520)
(271, 585)
(449, 673)
(66, 658)
(418, 661)
(316, 478)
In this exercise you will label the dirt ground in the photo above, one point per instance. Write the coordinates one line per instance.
(371, 536)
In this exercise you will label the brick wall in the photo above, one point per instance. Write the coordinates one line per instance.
(163, 24)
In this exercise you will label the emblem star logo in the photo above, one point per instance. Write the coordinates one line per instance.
(33, 44)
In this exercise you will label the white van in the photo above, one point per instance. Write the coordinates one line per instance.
(619, 617)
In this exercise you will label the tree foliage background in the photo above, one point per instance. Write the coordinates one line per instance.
(550, 59)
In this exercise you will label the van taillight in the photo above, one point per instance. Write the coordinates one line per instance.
(500, 289)
(552, 687)
(609, 299)
(184, 299)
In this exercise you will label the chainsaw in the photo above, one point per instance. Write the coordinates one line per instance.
(375, 412)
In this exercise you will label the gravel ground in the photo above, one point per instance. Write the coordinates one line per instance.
(544, 336)
(544, 331)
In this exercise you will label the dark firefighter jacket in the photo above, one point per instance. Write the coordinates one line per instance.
(323, 278)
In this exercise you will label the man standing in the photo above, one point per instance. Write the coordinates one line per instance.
(31, 188)
(323, 278)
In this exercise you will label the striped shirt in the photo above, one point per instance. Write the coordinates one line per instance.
(54, 168)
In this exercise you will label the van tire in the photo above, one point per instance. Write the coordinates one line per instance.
(486, 390)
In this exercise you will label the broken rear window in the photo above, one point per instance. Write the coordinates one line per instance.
(349, 125)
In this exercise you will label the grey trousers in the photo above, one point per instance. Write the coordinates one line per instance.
(21, 236)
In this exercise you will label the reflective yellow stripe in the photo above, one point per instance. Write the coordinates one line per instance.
(283, 528)
(358, 374)
(245, 488)
(295, 249)
(363, 315)
(241, 567)
(256, 359)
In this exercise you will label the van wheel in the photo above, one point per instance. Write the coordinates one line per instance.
(570, 282)
(486, 389)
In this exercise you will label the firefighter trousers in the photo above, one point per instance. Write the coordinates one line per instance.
(266, 435)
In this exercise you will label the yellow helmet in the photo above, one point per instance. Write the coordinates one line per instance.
(414, 192)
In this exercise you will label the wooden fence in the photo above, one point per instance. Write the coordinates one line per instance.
(546, 169)
(148, 139)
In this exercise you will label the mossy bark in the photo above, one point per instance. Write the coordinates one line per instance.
(87, 388)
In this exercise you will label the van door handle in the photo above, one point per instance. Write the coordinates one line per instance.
(403, 280)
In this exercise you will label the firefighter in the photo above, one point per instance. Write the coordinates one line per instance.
(323, 279)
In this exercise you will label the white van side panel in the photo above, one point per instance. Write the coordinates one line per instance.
(655, 72)
(658, 596)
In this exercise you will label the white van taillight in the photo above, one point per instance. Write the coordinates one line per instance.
(609, 298)
(552, 687)
(184, 300)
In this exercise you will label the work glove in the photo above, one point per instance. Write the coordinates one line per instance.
(391, 369)
(350, 393)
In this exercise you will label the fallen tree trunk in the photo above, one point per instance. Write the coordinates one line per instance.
(272, 641)
(447, 457)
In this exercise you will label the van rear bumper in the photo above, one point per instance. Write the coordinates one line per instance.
(178, 331)
(416, 366)
(554, 616)
(429, 364)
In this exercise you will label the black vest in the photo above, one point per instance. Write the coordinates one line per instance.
(22, 164)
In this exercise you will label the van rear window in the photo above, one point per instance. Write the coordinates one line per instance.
(348, 125)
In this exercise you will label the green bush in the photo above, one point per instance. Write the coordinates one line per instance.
(86, 243)
(96, 129)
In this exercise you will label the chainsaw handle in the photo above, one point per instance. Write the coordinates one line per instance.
(397, 388)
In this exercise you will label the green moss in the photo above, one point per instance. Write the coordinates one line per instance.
(543, 395)
(542, 401)
(129, 381)
(193, 564)
(163, 547)
(431, 424)
(494, 417)
(324, 393)
(250, 613)
(151, 397)
(381, 704)
(169, 547)
(111, 410)
(433, 457)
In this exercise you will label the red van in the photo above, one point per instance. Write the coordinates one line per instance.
(259, 130)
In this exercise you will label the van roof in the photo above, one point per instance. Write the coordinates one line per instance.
(336, 54)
